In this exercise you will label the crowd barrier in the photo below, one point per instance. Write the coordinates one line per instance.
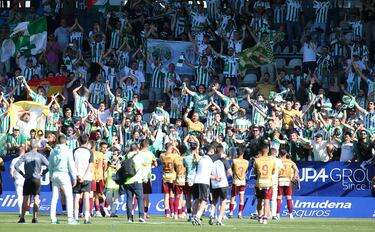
(332, 189)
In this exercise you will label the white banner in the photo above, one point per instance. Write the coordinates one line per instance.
(170, 52)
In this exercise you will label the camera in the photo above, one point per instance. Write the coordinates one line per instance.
(20, 78)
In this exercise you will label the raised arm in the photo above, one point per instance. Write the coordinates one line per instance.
(28, 87)
(251, 102)
(188, 91)
(218, 93)
(359, 108)
(53, 99)
(75, 94)
(186, 119)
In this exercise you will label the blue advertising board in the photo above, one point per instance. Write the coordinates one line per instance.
(336, 179)
(304, 207)
(332, 189)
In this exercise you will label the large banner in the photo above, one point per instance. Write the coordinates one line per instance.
(304, 207)
(334, 179)
(36, 119)
(170, 52)
(52, 85)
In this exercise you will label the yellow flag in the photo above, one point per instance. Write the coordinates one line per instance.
(36, 120)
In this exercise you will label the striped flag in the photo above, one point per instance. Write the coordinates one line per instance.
(254, 57)
(31, 37)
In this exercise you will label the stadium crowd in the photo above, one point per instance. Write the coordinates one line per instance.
(313, 102)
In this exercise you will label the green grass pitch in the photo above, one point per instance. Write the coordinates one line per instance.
(8, 223)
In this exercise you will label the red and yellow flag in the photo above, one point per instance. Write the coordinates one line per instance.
(52, 85)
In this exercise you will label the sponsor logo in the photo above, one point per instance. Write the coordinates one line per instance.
(350, 179)
(317, 208)
(322, 205)
(10, 203)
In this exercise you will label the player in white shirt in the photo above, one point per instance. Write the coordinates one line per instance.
(201, 187)
(219, 184)
(83, 158)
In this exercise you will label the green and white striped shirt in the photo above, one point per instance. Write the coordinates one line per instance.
(38, 98)
(212, 9)
(29, 72)
(98, 92)
(157, 79)
(128, 91)
(5, 119)
(52, 119)
(71, 142)
(242, 123)
(78, 37)
(80, 109)
(127, 136)
(258, 119)
(230, 66)
(293, 10)
(110, 74)
(176, 107)
(115, 39)
(203, 75)
(123, 58)
(96, 51)
(218, 129)
(321, 11)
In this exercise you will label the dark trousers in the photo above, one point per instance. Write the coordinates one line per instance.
(130, 190)
(294, 32)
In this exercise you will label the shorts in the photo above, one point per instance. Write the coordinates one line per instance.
(168, 187)
(265, 194)
(99, 186)
(219, 192)
(84, 187)
(31, 187)
(155, 94)
(93, 186)
(285, 190)
(147, 187)
(236, 189)
(201, 192)
(180, 189)
(188, 189)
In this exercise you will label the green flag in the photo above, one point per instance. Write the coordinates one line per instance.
(30, 37)
(254, 57)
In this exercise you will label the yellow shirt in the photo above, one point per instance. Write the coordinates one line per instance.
(180, 170)
(286, 174)
(239, 168)
(288, 116)
(167, 162)
(98, 172)
(265, 89)
(264, 168)
(195, 126)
